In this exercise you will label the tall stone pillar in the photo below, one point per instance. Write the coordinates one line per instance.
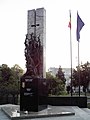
(37, 28)
(33, 87)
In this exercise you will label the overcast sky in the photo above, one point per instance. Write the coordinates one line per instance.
(13, 27)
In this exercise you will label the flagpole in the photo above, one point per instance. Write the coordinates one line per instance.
(78, 69)
(70, 50)
(78, 56)
(80, 24)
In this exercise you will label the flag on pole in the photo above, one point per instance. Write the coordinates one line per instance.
(69, 25)
(80, 24)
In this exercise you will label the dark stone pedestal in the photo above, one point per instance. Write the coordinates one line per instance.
(33, 94)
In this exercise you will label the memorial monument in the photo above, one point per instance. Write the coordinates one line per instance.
(33, 87)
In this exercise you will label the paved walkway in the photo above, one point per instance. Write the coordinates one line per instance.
(80, 114)
(2, 115)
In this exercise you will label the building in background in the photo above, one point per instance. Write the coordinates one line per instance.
(67, 73)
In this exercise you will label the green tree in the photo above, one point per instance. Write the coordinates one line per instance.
(17, 72)
(51, 81)
(60, 81)
(56, 83)
(84, 72)
(5, 73)
(60, 75)
(49, 75)
(9, 78)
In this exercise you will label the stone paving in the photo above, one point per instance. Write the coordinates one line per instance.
(80, 114)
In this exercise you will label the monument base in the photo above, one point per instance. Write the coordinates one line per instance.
(14, 113)
(33, 94)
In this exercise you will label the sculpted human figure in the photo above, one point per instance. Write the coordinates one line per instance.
(32, 54)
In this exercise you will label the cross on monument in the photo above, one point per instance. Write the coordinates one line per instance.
(34, 25)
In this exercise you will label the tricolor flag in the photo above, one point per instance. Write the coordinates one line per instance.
(80, 24)
(69, 25)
